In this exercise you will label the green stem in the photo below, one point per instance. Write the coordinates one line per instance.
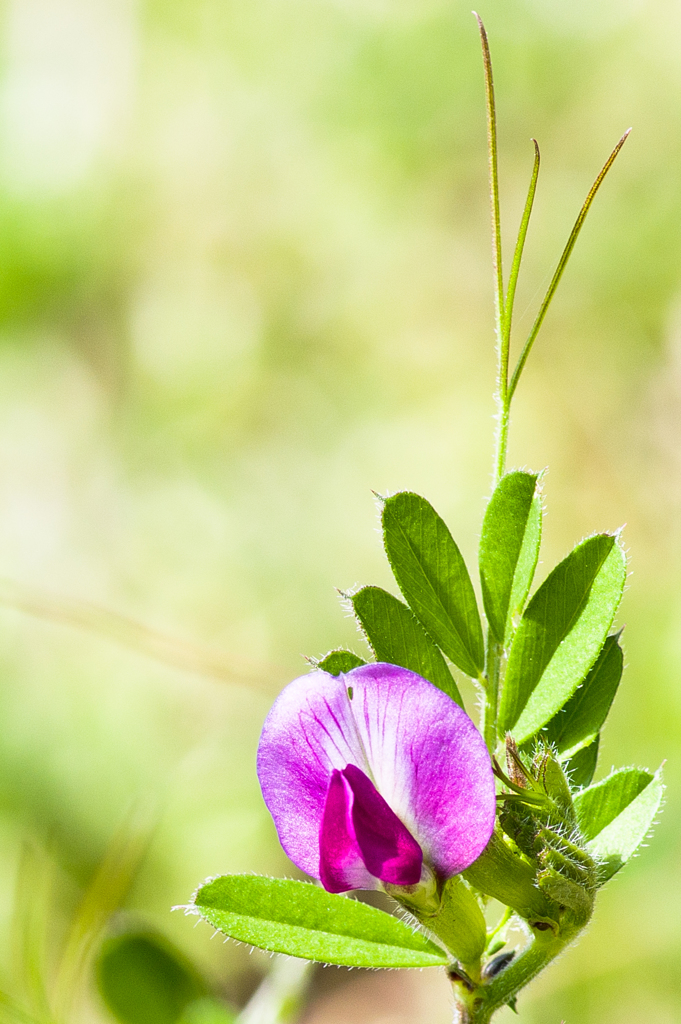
(493, 181)
(504, 411)
(490, 706)
(493, 659)
(477, 1006)
(501, 440)
(502, 335)
(501, 923)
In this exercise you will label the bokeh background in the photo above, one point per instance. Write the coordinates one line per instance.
(244, 280)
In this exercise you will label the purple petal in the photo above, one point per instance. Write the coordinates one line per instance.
(420, 749)
(341, 866)
(388, 850)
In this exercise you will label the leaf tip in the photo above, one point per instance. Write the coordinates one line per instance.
(483, 33)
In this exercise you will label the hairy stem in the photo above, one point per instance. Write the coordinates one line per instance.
(493, 185)
(504, 394)
(490, 706)
(478, 1005)
(502, 335)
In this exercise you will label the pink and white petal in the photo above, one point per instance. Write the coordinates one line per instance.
(428, 761)
(420, 750)
(387, 847)
(309, 732)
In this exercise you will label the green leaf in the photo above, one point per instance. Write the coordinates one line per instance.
(433, 577)
(580, 768)
(617, 814)
(144, 980)
(599, 805)
(306, 921)
(396, 636)
(509, 548)
(560, 635)
(338, 662)
(580, 721)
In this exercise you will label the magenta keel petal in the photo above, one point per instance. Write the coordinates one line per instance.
(395, 746)
(361, 840)
(388, 849)
(341, 866)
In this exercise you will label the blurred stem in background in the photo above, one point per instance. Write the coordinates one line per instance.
(142, 978)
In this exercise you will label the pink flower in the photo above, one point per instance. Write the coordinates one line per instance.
(371, 775)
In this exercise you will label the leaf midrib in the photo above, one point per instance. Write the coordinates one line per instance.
(575, 616)
(318, 931)
(431, 587)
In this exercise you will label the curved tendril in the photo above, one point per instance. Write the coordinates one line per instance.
(520, 244)
(562, 263)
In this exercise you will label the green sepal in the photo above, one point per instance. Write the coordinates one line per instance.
(304, 920)
(455, 918)
(616, 815)
(396, 636)
(578, 724)
(567, 893)
(460, 923)
(549, 772)
(561, 634)
(501, 872)
(432, 575)
(336, 663)
(509, 549)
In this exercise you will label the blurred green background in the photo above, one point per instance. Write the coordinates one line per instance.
(244, 279)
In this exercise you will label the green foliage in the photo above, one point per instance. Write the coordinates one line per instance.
(460, 923)
(433, 577)
(454, 917)
(144, 980)
(396, 636)
(509, 549)
(303, 920)
(581, 767)
(499, 873)
(12, 1013)
(616, 815)
(578, 724)
(560, 634)
(338, 662)
(207, 1011)
(599, 805)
